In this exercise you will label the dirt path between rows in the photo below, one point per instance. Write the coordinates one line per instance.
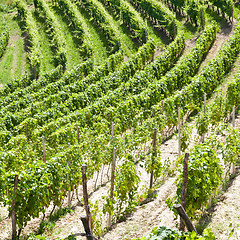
(12, 42)
(221, 37)
(226, 215)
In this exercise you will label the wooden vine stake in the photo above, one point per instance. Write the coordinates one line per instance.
(153, 157)
(13, 213)
(204, 110)
(146, 37)
(112, 142)
(185, 218)
(87, 228)
(44, 149)
(184, 189)
(69, 192)
(179, 132)
(233, 116)
(174, 29)
(109, 222)
(85, 196)
(233, 167)
(162, 132)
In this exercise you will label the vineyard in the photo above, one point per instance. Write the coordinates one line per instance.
(115, 114)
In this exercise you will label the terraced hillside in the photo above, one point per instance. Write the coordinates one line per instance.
(98, 81)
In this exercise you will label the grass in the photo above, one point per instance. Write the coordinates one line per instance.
(92, 37)
(5, 66)
(155, 35)
(127, 45)
(13, 62)
(47, 62)
(72, 53)
(20, 63)
(47, 226)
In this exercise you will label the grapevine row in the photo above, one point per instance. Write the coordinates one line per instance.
(34, 56)
(224, 5)
(191, 97)
(73, 15)
(127, 69)
(39, 184)
(3, 39)
(55, 31)
(112, 108)
(192, 8)
(53, 125)
(233, 92)
(73, 79)
(53, 79)
(122, 10)
(160, 15)
(49, 128)
(43, 182)
(103, 23)
(88, 94)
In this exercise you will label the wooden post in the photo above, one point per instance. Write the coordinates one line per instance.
(13, 213)
(109, 222)
(204, 111)
(174, 29)
(112, 141)
(146, 37)
(179, 132)
(153, 157)
(85, 195)
(184, 188)
(87, 228)
(185, 218)
(69, 192)
(44, 149)
(78, 133)
(102, 174)
(205, 102)
(233, 167)
(233, 116)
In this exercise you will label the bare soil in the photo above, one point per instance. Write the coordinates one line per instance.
(13, 39)
(226, 215)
